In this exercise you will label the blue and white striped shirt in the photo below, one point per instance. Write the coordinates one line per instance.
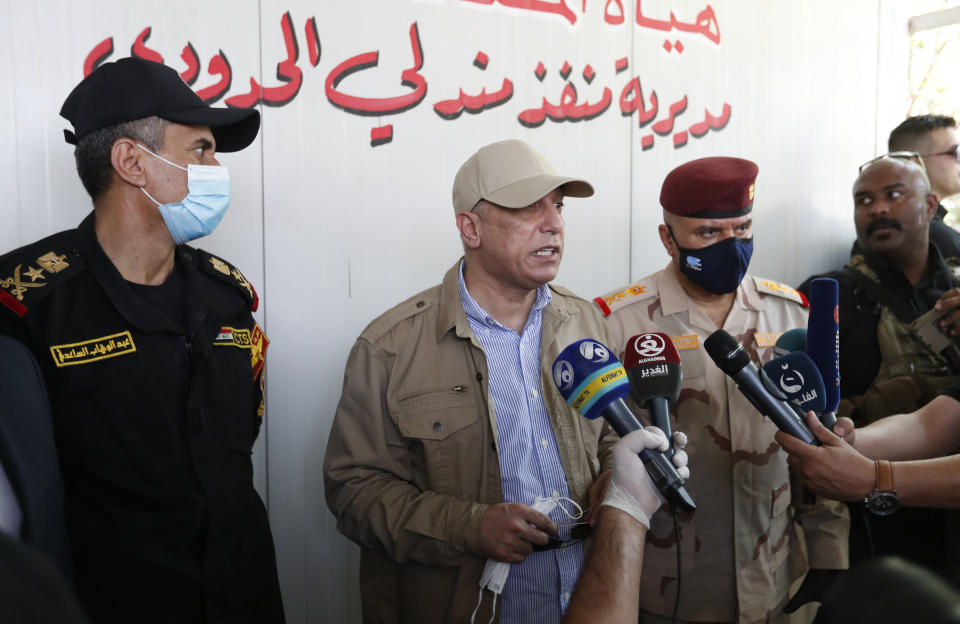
(537, 590)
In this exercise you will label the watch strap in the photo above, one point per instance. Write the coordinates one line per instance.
(884, 476)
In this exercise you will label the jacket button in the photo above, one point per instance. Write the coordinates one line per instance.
(438, 427)
(479, 376)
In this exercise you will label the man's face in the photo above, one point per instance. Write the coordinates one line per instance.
(693, 233)
(182, 145)
(892, 208)
(940, 156)
(521, 248)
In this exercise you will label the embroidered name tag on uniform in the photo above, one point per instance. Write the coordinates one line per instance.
(93, 350)
(685, 343)
(230, 337)
(767, 340)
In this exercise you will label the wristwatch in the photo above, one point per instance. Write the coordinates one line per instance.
(883, 499)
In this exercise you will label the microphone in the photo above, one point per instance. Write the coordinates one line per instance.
(656, 377)
(730, 357)
(797, 377)
(790, 341)
(823, 341)
(593, 382)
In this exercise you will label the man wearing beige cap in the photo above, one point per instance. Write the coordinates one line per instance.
(450, 429)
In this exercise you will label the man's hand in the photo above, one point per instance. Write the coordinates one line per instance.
(835, 470)
(506, 533)
(846, 430)
(595, 496)
(949, 300)
(631, 488)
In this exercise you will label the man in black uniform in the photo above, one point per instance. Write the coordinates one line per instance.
(153, 362)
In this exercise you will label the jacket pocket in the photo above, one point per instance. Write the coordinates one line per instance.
(442, 427)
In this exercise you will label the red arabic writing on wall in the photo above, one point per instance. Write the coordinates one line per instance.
(567, 107)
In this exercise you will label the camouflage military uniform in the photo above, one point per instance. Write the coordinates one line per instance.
(750, 537)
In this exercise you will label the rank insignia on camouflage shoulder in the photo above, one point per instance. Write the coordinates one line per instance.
(619, 298)
(770, 287)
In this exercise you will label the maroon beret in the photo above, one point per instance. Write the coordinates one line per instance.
(710, 188)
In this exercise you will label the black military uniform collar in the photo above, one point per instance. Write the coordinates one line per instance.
(199, 297)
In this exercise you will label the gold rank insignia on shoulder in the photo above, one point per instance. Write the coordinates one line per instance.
(220, 265)
(53, 263)
(770, 287)
(618, 298)
(237, 275)
(17, 284)
(93, 350)
(25, 277)
(232, 337)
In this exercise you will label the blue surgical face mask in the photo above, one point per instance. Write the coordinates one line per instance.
(718, 268)
(207, 200)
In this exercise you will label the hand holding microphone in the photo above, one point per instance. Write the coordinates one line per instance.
(653, 367)
(631, 488)
(729, 355)
(593, 382)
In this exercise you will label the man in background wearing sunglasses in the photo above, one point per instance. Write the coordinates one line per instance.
(934, 137)
(894, 354)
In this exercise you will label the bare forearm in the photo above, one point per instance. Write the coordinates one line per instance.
(931, 431)
(928, 483)
(609, 585)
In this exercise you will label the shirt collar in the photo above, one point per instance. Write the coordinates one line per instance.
(475, 311)
(673, 299)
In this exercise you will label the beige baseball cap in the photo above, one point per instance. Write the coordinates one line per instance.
(510, 174)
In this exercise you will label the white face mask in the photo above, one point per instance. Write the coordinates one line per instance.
(495, 573)
(207, 200)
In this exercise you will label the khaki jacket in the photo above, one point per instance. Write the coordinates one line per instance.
(412, 462)
(750, 535)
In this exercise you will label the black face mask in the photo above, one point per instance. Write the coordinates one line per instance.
(718, 268)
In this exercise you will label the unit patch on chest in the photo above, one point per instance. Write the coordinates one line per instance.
(93, 350)
(232, 337)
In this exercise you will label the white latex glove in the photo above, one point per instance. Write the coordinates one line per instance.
(631, 488)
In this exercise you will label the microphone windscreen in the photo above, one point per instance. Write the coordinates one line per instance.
(726, 352)
(791, 340)
(653, 367)
(589, 377)
(823, 336)
(797, 376)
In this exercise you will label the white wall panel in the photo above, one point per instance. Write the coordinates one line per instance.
(333, 231)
